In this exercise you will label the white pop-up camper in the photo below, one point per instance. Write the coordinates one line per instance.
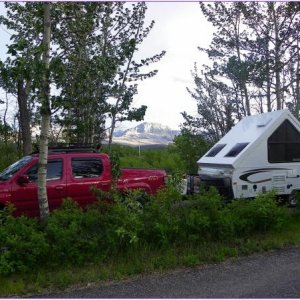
(259, 154)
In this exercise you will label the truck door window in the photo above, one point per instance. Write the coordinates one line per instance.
(86, 167)
(284, 144)
(54, 171)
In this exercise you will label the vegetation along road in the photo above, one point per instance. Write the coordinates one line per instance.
(274, 274)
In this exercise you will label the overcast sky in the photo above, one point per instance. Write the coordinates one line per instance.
(179, 29)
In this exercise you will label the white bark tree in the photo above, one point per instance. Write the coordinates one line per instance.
(45, 117)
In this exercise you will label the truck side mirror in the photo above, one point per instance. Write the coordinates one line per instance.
(23, 179)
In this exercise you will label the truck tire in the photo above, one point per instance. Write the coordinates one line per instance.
(292, 199)
(143, 198)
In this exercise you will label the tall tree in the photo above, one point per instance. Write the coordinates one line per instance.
(97, 42)
(253, 57)
(14, 83)
(129, 70)
(273, 29)
(85, 67)
(19, 69)
(92, 64)
(215, 107)
(45, 115)
(226, 49)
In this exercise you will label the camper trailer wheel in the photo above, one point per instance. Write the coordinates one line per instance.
(292, 199)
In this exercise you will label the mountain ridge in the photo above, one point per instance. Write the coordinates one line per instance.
(146, 133)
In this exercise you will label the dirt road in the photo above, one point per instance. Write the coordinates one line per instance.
(274, 274)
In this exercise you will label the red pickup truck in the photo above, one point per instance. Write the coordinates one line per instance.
(69, 174)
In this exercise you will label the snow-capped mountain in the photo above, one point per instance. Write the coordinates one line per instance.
(146, 134)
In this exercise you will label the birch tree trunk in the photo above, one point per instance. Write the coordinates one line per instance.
(45, 118)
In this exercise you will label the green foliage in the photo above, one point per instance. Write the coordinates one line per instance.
(119, 224)
(163, 158)
(67, 235)
(115, 165)
(159, 225)
(9, 153)
(23, 245)
(91, 64)
(259, 215)
(6, 132)
(190, 148)
(247, 52)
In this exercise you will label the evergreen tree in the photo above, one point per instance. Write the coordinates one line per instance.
(272, 48)
(254, 57)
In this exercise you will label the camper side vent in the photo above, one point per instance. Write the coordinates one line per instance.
(279, 189)
(278, 178)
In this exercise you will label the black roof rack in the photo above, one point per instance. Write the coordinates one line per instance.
(71, 148)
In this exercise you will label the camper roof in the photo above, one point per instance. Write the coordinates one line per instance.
(243, 137)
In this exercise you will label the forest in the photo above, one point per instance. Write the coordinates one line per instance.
(86, 79)
(71, 68)
(253, 65)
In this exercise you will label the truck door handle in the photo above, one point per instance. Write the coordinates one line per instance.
(59, 188)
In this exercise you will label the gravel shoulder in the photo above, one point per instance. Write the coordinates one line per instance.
(274, 274)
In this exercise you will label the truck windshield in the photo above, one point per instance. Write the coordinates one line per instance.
(14, 168)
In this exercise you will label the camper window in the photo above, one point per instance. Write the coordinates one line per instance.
(284, 144)
(215, 150)
(236, 149)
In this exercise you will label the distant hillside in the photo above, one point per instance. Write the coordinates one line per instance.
(146, 134)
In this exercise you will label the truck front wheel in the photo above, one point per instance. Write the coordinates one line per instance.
(143, 198)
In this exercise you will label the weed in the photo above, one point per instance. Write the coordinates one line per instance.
(190, 260)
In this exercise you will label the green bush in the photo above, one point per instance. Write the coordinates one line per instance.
(258, 215)
(160, 223)
(202, 218)
(23, 245)
(69, 232)
(120, 218)
(107, 228)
